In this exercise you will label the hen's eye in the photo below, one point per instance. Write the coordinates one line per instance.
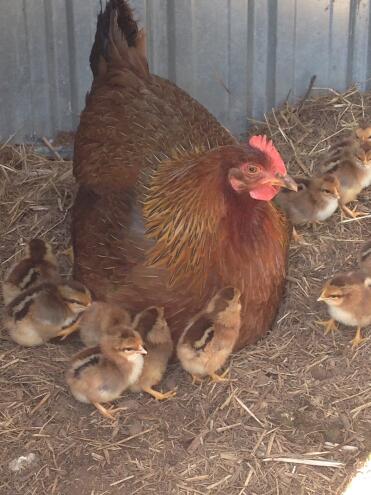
(252, 169)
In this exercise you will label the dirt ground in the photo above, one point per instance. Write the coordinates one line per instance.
(296, 394)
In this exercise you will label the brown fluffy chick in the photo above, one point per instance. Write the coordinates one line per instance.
(346, 143)
(39, 265)
(208, 339)
(100, 374)
(98, 318)
(348, 299)
(315, 201)
(363, 133)
(153, 328)
(352, 168)
(365, 258)
(46, 311)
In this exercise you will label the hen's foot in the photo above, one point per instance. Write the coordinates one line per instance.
(159, 395)
(330, 325)
(358, 339)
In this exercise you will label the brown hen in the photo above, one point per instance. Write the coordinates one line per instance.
(170, 207)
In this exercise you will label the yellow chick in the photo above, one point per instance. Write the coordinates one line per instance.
(153, 328)
(101, 374)
(46, 311)
(98, 318)
(315, 201)
(209, 338)
(39, 265)
(348, 299)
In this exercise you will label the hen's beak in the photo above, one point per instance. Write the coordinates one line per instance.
(284, 181)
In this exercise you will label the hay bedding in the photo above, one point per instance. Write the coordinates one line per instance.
(289, 395)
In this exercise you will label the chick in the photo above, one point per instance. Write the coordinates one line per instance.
(365, 258)
(348, 298)
(353, 171)
(97, 318)
(315, 201)
(152, 327)
(345, 143)
(208, 339)
(39, 265)
(100, 374)
(46, 311)
(363, 132)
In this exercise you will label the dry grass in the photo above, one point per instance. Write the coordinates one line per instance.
(288, 395)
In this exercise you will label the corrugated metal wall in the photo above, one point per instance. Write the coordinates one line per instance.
(238, 57)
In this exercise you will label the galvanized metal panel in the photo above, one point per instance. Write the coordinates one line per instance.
(339, 44)
(239, 68)
(360, 32)
(238, 57)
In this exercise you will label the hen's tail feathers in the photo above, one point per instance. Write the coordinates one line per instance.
(118, 41)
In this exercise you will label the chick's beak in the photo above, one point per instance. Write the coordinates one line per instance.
(322, 297)
(141, 350)
(337, 194)
(284, 181)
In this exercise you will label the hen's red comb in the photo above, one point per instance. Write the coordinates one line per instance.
(263, 144)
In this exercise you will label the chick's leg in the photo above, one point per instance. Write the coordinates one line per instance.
(195, 379)
(108, 413)
(104, 412)
(68, 330)
(358, 339)
(159, 395)
(219, 378)
(352, 213)
(315, 224)
(296, 237)
(69, 253)
(330, 325)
